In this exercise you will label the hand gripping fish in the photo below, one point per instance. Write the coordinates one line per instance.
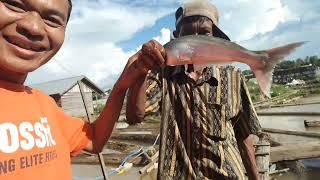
(204, 50)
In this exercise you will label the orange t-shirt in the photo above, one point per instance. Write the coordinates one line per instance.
(36, 137)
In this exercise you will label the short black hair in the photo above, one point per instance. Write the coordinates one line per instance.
(70, 9)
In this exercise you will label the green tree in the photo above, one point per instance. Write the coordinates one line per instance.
(314, 60)
(299, 62)
(286, 65)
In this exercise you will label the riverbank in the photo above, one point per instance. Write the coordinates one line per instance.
(294, 123)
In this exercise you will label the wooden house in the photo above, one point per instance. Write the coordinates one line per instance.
(66, 93)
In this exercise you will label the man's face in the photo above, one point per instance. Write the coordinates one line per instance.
(196, 27)
(31, 32)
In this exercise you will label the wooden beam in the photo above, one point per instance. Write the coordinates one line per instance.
(279, 171)
(109, 159)
(295, 152)
(288, 113)
(281, 153)
(147, 138)
(293, 104)
(297, 133)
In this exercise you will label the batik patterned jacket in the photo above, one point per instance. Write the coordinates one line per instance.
(201, 122)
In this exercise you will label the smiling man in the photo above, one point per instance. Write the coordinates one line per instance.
(36, 137)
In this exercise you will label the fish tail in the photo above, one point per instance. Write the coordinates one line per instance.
(271, 58)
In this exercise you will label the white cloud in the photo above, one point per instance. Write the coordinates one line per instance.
(243, 19)
(305, 27)
(96, 28)
(263, 24)
(92, 34)
(164, 36)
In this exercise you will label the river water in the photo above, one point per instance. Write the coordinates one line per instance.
(92, 172)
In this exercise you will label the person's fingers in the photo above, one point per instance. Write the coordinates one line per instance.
(134, 57)
(147, 61)
(160, 48)
(158, 52)
(141, 64)
(158, 55)
(155, 50)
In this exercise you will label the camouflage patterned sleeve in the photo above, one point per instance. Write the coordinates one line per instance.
(247, 122)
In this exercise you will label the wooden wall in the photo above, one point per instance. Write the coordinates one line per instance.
(72, 102)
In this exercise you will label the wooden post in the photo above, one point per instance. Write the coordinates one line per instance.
(154, 159)
(101, 160)
(263, 157)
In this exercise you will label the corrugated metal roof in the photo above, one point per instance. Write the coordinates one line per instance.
(61, 86)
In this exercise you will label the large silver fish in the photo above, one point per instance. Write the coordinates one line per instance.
(202, 50)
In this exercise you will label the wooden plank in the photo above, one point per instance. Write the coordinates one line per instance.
(288, 113)
(109, 159)
(293, 104)
(71, 101)
(312, 123)
(295, 152)
(297, 133)
(147, 138)
(279, 171)
(280, 153)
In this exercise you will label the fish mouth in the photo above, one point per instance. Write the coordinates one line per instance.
(25, 44)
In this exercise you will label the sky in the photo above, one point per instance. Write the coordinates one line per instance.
(103, 34)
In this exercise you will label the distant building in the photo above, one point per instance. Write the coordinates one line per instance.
(307, 72)
(66, 93)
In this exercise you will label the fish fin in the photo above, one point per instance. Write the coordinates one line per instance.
(271, 58)
(265, 79)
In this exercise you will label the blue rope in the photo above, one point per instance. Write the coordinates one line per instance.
(113, 171)
(130, 155)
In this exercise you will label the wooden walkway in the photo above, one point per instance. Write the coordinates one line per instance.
(281, 153)
(295, 151)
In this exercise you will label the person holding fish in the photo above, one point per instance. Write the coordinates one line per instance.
(208, 118)
(37, 138)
